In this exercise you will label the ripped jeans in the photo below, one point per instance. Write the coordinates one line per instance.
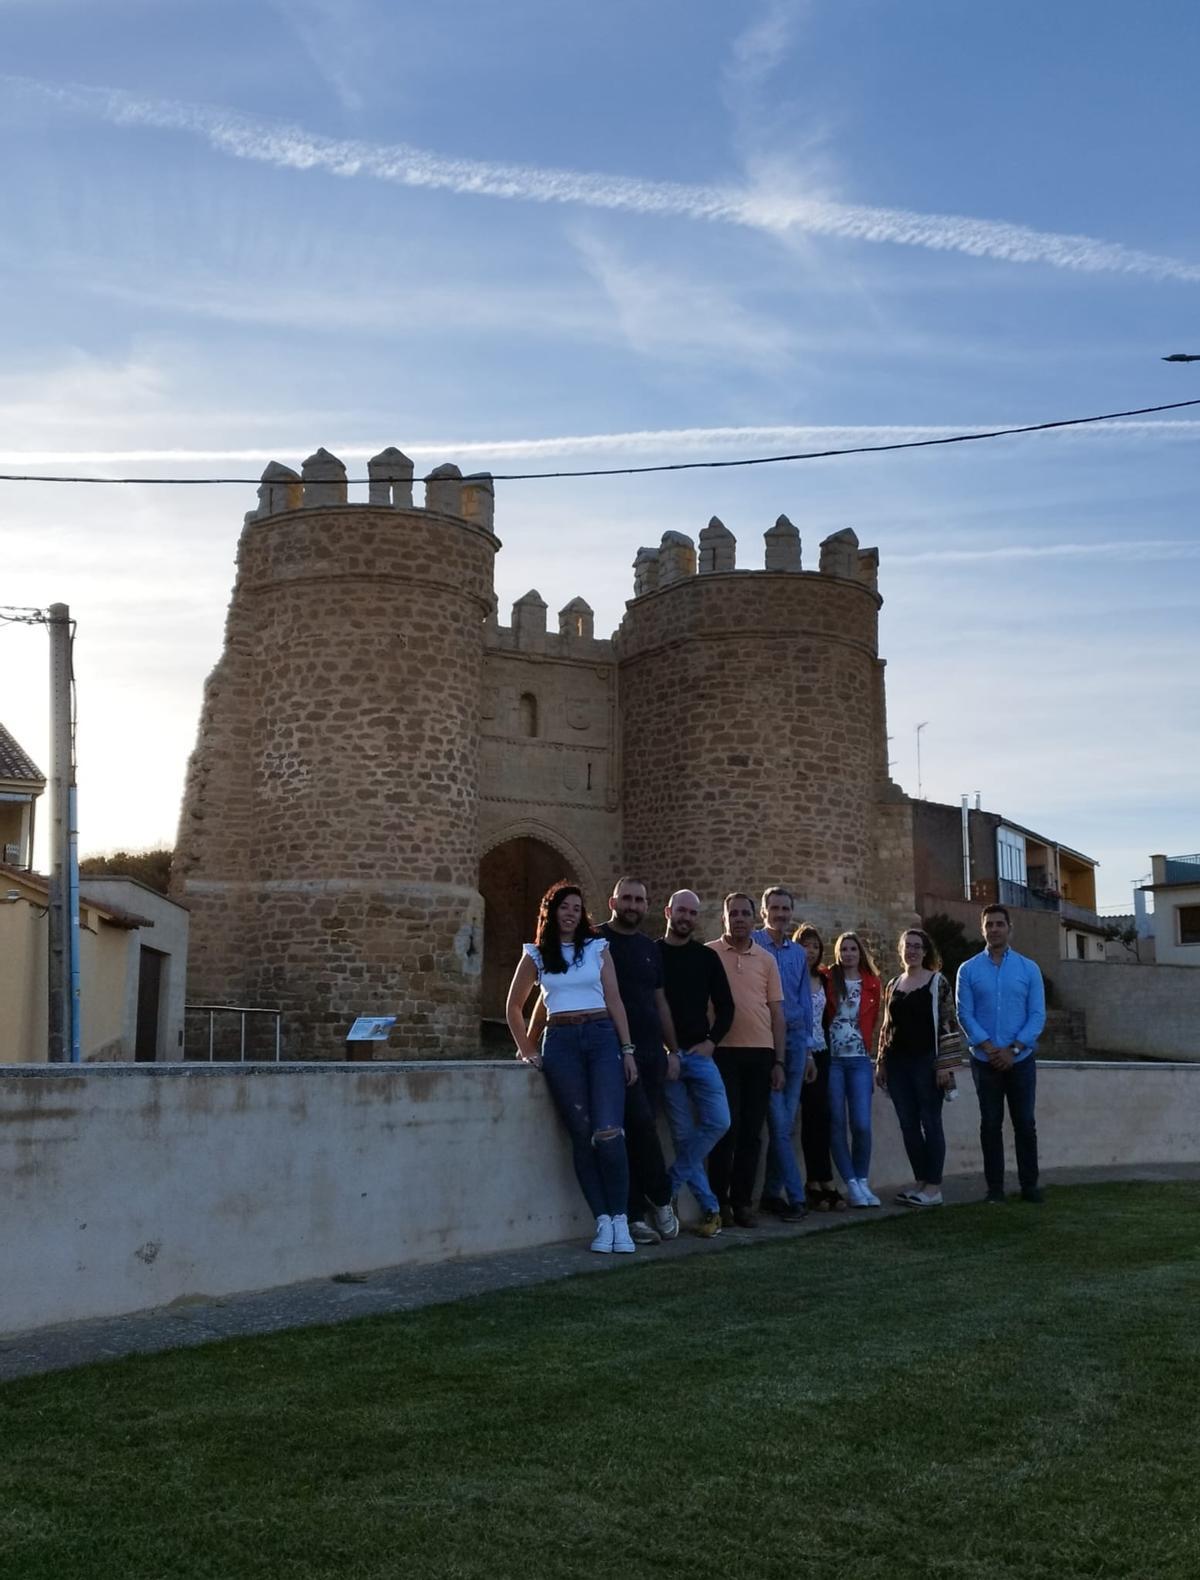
(586, 1076)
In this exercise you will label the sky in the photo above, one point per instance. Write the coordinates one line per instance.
(543, 236)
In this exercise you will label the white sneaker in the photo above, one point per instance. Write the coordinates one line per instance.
(665, 1220)
(604, 1234)
(907, 1198)
(926, 1198)
(642, 1234)
(622, 1240)
(872, 1199)
(855, 1195)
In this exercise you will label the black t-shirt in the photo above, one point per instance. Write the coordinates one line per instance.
(693, 977)
(635, 959)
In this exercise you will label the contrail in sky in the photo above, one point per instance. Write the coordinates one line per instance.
(779, 212)
(637, 441)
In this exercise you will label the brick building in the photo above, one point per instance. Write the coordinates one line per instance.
(386, 779)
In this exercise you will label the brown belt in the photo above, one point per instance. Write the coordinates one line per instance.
(577, 1017)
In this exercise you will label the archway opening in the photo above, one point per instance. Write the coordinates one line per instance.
(512, 879)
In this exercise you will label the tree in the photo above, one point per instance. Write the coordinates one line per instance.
(952, 942)
(151, 867)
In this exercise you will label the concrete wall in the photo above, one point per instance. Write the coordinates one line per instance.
(126, 1187)
(1143, 1009)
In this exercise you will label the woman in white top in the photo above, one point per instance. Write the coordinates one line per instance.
(586, 1054)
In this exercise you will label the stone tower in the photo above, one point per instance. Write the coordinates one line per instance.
(328, 842)
(753, 740)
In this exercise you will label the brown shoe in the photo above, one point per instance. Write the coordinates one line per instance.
(745, 1218)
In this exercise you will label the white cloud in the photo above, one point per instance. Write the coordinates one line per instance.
(775, 210)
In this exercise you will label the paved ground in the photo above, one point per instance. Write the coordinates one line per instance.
(404, 1288)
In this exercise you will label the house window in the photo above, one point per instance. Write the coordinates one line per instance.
(1080, 946)
(1010, 855)
(527, 710)
(1189, 924)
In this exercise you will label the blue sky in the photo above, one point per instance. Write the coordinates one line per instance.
(549, 235)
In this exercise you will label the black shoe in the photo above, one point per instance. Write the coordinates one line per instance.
(775, 1205)
(996, 1198)
(1033, 1194)
(745, 1218)
(792, 1214)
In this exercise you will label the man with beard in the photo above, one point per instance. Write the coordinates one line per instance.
(640, 981)
(701, 1009)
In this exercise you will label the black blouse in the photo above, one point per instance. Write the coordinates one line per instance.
(912, 1023)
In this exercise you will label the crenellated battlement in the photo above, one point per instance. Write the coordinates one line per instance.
(529, 633)
(321, 482)
(676, 558)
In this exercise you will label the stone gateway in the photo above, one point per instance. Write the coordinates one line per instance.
(386, 779)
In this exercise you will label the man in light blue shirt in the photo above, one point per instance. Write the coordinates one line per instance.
(783, 1187)
(1001, 1004)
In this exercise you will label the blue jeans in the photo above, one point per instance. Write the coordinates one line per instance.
(1019, 1087)
(918, 1100)
(699, 1083)
(584, 1071)
(851, 1082)
(783, 1172)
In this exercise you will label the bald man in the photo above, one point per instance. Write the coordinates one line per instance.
(701, 1006)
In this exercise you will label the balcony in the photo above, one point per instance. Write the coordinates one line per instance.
(1182, 869)
(1021, 896)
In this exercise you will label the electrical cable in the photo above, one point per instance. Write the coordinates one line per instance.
(636, 471)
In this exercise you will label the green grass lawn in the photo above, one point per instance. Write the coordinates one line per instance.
(980, 1392)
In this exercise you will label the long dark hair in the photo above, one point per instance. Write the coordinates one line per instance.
(866, 965)
(547, 939)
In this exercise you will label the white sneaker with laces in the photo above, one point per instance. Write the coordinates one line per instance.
(872, 1199)
(622, 1240)
(854, 1194)
(604, 1234)
(665, 1220)
(642, 1234)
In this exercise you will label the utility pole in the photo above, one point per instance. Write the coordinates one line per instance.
(63, 963)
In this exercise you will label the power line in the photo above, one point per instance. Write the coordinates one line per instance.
(635, 471)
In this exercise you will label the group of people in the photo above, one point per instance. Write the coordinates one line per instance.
(754, 1030)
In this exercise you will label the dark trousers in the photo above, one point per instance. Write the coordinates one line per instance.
(733, 1162)
(814, 1121)
(1017, 1087)
(648, 1178)
(918, 1099)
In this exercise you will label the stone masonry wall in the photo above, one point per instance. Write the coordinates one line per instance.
(732, 684)
(328, 844)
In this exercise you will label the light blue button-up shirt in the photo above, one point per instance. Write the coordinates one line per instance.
(792, 960)
(1004, 1004)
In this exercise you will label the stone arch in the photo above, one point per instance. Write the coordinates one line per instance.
(517, 866)
(527, 715)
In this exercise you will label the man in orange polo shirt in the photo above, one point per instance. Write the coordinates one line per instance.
(750, 1058)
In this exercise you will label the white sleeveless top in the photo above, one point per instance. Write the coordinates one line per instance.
(577, 988)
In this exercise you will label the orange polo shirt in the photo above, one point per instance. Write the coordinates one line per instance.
(755, 985)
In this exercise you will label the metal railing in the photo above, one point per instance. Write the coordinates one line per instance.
(1182, 869)
(240, 1010)
(1023, 897)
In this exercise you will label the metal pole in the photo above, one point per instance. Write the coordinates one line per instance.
(243, 1042)
(210, 1036)
(60, 1021)
(277, 1021)
(920, 727)
(966, 846)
